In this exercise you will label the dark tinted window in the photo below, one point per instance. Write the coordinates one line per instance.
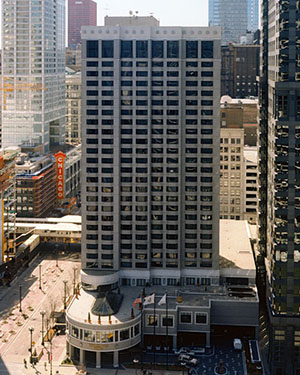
(92, 48)
(126, 49)
(207, 49)
(173, 49)
(142, 49)
(107, 48)
(191, 49)
(92, 63)
(157, 49)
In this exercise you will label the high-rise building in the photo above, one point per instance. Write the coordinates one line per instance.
(279, 166)
(80, 13)
(73, 107)
(252, 15)
(157, 150)
(33, 72)
(234, 16)
(150, 197)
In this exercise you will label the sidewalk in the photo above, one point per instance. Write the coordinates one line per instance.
(72, 370)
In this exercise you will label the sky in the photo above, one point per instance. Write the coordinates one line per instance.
(169, 12)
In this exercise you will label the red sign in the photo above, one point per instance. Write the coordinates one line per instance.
(60, 160)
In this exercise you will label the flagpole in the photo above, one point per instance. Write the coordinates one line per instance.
(142, 328)
(167, 331)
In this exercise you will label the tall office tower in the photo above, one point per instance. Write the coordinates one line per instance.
(234, 16)
(33, 72)
(252, 15)
(150, 174)
(279, 161)
(150, 151)
(80, 13)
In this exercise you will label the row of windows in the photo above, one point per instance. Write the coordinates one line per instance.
(154, 112)
(142, 73)
(168, 141)
(153, 93)
(155, 64)
(155, 217)
(159, 102)
(140, 49)
(153, 131)
(128, 83)
(145, 122)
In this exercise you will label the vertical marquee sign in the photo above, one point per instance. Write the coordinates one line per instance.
(60, 160)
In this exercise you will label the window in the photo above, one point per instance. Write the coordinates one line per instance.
(142, 49)
(186, 317)
(173, 49)
(167, 321)
(107, 48)
(201, 318)
(126, 49)
(152, 320)
(207, 49)
(157, 49)
(107, 64)
(92, 48)
(124, 334)
(191, 49)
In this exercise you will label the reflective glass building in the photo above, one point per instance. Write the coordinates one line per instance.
(33, 72)
(279, 162)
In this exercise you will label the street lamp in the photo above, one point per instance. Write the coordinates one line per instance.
(135, 361)
(31, 329)
(43, 315)
(65, 294)
(56, 254)
(20, 309)
(74, 279)
(40, 276)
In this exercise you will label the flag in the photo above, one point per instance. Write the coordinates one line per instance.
(149, 300)
(137, 300)
(163, 301)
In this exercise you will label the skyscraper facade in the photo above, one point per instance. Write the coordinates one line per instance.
(234, 16)
(80, 13)
(279, 162)
(33, 72)
(150, 203)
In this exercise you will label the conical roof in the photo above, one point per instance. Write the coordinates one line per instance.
(107, 304)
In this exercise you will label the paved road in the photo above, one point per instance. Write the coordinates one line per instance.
(15, 324)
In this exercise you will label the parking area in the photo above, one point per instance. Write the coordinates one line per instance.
(232, 361)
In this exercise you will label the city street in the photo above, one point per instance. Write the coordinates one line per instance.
(19, 321)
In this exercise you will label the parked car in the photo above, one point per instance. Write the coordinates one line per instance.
(237, 344)
(185, 358)
(184, 350)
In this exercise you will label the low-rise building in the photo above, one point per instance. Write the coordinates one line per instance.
(103, 322)
(7, 202)
(36, 184)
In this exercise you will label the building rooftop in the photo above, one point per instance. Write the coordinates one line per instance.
(235, 245)
(250, 154)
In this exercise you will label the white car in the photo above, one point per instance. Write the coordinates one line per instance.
(237, 344)
(185, 358)
(184, 350)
